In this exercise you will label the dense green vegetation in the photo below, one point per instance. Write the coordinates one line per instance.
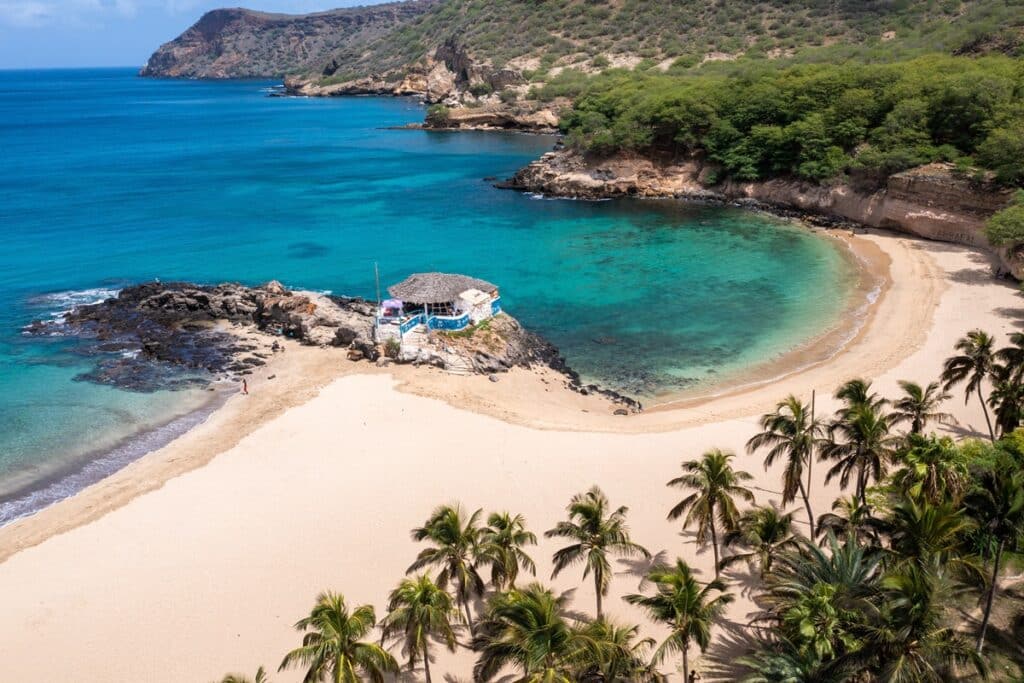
(899, 582)
(561, 32)
(815, 121)
(1007, 226)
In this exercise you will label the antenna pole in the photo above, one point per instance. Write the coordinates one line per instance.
(376, 278)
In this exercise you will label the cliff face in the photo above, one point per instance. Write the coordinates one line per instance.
(240, 43)
(930, 201)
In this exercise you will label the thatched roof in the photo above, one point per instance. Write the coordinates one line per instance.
(433, 288)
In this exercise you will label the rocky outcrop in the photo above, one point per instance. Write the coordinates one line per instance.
(168, 335)
(176, 335)
(241, 43)
(930, 201)
(523, 117)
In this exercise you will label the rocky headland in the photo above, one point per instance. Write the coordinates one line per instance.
(176, 335)
(243, 43)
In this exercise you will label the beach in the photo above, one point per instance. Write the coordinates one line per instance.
(197, 559)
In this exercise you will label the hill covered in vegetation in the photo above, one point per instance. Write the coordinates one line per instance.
(241, 43)
(539, 38)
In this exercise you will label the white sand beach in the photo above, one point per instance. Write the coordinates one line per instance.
(198, 559)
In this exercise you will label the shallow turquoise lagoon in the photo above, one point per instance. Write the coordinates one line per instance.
(109, 179)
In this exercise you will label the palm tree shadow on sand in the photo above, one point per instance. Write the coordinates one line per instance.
(732, 641)
(744, 578)
(640, 567)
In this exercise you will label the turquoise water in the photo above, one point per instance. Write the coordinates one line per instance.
(109, 179)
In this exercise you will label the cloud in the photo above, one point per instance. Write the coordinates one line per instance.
(84, 13)
(27, 13)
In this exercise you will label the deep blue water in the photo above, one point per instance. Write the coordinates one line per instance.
(109, 179)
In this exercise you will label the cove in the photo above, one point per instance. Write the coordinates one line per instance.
(110, 179)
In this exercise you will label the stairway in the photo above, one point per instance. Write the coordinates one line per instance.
(456, 364)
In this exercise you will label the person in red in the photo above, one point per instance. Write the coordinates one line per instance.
(245, 387)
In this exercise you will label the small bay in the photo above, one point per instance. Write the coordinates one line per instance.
(109, 179)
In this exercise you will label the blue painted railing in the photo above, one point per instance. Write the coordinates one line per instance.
(496, 306)
(411, 323)
(449, 324)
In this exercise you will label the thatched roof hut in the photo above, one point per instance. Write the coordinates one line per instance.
(435, 288)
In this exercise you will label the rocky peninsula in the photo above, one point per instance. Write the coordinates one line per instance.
(177, 334)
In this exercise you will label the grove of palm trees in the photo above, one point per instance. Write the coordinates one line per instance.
(898, 581)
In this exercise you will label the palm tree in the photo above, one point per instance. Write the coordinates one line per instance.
(1012, 356)
(456, 543)
(855, 394)
(919, 406)
(419, 611)
(715, 487)
(261, 677)
(332, 648)
(997, 505)
(596, 534)
(790, 432)
(850, 519)
(973, 365)
(815, 599)
(905, 638)
(782, 661)
(765, 531)
(685, 607)
(527, 629)
(1007, 398)
(850, 567)
(932, 469)
(930, 536)
(863, 449)
(622, 656)
(501, 545)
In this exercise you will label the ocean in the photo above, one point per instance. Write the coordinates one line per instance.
(108, 179)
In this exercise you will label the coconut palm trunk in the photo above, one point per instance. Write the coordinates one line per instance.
(598, 575)
(991, 597)
(862, 482)
(988, 420)
(714, 540)
(686, 662)
(805, 491)
(426, 660)
(807, 500)
(463, 599)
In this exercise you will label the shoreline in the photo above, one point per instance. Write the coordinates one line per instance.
(871, 266)
(69, 479)
(274, 493)
(313, 368)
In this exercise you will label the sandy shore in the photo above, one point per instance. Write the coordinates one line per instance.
(197, 559)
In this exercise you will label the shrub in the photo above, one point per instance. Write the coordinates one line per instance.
(1003, 152)
(392, 347)
(1006, 227)
(481, 89)
(438, 115)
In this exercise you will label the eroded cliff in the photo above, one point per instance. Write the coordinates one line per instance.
(930, 201)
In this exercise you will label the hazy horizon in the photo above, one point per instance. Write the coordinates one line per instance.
(53, 34)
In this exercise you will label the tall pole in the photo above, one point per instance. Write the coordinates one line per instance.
(376, 279)
(810, 450)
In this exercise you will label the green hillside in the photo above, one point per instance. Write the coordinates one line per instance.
(539, 34)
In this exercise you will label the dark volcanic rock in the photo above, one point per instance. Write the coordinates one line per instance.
(176, 335)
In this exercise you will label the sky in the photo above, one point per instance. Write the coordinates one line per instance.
(85, 33)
